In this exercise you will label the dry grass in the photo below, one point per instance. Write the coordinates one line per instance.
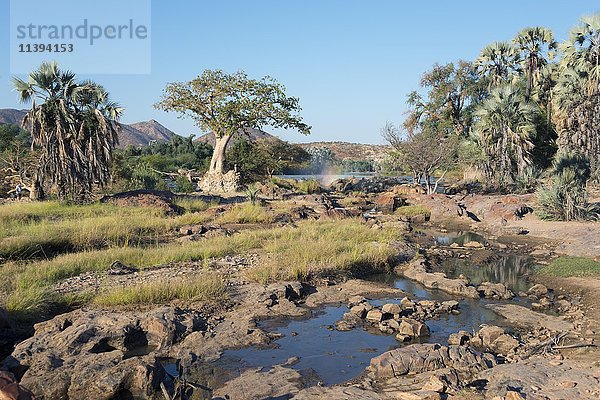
(318, 248)
(208, 288)
(246, 213)
(101, 234)
(413, 211)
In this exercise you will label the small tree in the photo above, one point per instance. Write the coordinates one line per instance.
(424, 152)
(229, 103)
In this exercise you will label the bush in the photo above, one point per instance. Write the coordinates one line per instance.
(183, 185)
(565, 198)
(308, 186)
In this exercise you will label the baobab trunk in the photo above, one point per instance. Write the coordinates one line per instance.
(217, 161)
(216, 180)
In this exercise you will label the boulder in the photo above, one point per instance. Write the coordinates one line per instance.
(420, 358)
(413, 328)
(375, 316)
(391, 308)
(538, 290)
(88, 354)
(497, 291)
(460, 338)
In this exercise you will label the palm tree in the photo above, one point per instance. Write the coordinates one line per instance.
(497, 62)
(504, 128)
(576, 96)
(582, 51)
(74, 126)
(535, 46)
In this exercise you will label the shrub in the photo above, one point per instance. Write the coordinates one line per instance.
(565, 198)
(183, 184)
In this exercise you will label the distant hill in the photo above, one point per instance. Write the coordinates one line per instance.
(12, 116)
(249, 134)
(137, 134)
(352, 151)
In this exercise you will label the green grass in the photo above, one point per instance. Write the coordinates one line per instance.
(246, 213)
(571, 267)
(413, 211)
(45, 229)
(208, 288)
(318, 248)
(191, 205)
(311, 249)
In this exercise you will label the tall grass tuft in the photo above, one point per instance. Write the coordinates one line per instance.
(246, 213)
(208, 288)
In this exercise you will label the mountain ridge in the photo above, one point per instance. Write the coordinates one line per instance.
(136, 134)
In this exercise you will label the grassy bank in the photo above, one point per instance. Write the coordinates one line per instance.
(571, 267)
(312, 249)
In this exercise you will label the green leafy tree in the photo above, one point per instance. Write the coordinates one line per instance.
(452, 90)
(73, 124)
(228, 103)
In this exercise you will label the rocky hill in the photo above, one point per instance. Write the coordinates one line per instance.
(137, 134)
(352, 151)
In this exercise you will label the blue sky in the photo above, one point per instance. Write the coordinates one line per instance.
(351, 63)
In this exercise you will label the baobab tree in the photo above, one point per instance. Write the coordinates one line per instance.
(226, 104)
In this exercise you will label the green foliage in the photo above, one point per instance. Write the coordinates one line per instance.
(571, 266)
(11, 135)
(565, 198)
(143, 176)
(183, 185)
(504, 130)
(257, 160)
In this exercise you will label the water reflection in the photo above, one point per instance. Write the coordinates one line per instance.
(460, 238)
(512, 270)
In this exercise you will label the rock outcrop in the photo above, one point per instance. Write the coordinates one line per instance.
(100, 355)
(417, 270)
(526, 318)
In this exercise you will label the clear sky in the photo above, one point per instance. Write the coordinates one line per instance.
(351, 63)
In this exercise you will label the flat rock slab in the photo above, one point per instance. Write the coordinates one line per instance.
(537, 378)
(338, 392)
(526, 318)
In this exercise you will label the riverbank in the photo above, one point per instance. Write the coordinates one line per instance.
(268, 335)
